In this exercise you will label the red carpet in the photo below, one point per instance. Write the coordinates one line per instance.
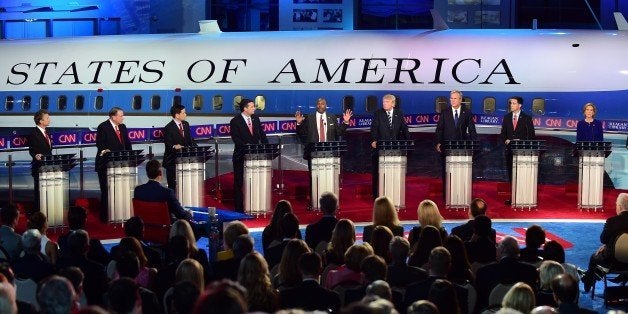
(554, 201)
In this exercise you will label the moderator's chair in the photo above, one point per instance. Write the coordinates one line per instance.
(156, 219)
(618, 271)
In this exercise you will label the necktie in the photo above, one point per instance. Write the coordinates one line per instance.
(181, 129)
(48, 139)
(248, 122)
(514, 122)
(321, 130)
(118, 134)
(390, 118)
(456, 117)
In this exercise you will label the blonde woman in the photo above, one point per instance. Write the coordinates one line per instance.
(384, 214)
(520, 297)
(192, 271)
(182, 227)
(548, 271)
(428, 215)
(254, 276)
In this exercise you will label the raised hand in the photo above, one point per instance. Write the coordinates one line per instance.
(299, 117)
(347, 116)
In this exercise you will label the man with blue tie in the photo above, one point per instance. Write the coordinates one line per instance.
(454, 123)
(245, 128)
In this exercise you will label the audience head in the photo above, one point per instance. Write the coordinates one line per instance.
(222, 297)
(7, 273)
(355, 254)
(477, 207)
(374, 268)
(439, 262)
(565, 288)
(31, 241)
(458, 251)
(379, 288)
(288, 269)
(482, 226)
(622, 202)
(153, 169)
(242, 245)
(232, 231)
(37, 220)
(55, 295)
(508, 247)
(443, 295)
(310, 265)
(75, 276)
(8, 304)
(544, 309)
(423, 307)
(535, 236)
(124, 296)
(329, 203)
(342, 237)
(182, 227)
(553, 251)
(283, 207)
(134, 227)
(9, 215)
(548, 271)
(77, 216)
(429, 215)
(381, 242)
(429, 238)
(128, 265)
(384, 212)
(132, 244)
(179, 248)
(289, 226)
(192, 271)
(78, 242)
(184, 296)
(520, 297)
(399, 249)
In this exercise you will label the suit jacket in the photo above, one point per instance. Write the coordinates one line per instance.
(241, 136)
(380, 130)
(447, 130)
(172, 137)
(274, 252)
(153, 191)
(308, 130)
(33, 266)
(401, 275)
(524, 130)
(106, 138)
(37, 144)
(11, 242)
(465, 231)
(310, 296)
(320, 231)
(507, 271)
(614, 227)
(367, 233)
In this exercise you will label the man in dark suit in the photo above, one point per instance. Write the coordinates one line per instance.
(388, 124)
(565, 291)
(465, 232)
(613, 228)
(176, 136)
(152, 191)
(309, 127)
(517, 125)
(111, 136)
(321, 230)
(400, 274)
(454, 123)
(39, 144)
(245, 128)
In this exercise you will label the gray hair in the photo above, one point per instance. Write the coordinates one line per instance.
(31, 240)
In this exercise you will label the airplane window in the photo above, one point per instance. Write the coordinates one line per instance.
(155, 102)
(176, 100)
(136, 103)
(260, 102)
(236, 102)
(441, 103)
(62, 102)
(79, 102)
(538, 106)
(198, 102)
(371, 103)
(98, 103)
(8, 103)
(217, 102)
(466, 102)
(489, 105)
(26, 103)
(43, 102)
(348, 102)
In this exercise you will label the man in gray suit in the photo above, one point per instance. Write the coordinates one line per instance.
(9, 240)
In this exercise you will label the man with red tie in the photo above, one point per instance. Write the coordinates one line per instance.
(39, 145)
(111, 136)
(245, 128)
(176, 136)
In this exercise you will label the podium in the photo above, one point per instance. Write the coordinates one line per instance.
(121, 181)
(591, 157)
(54, 199)
(258, 166)
(525, 172)
(392, 165)
(325, 172)
(190, 174)
(458, 172)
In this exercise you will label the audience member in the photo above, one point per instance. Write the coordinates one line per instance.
(342, 238)
(481, 249)
(565, 289)
(381, 242)
(49, 248)
(288, 274)
(532, 253)
(289, 226)
(222, 297)
(8, 303)
(76, 277)
(429, 238)
(428, 215)
(9, 240)
(399, 273)
(553, 251)
(384, 214)
(192, 271)
(272, 232)
(544, 309)
(77, 217)
(134, 227)
(32, 265)
(228, 268)
(178, 250)
(443, 295)
(55, 295)
(465, 231)
(146, 276)
(321, 230)
(233, 229)
(128, 266)
(547, 271)
(183, 228)
(422, 307)
(350, 272)
(460, 271)
(520, 297)
(374, 269)
(6, 276)
(124, 297)
(184, 296)
(255, 277)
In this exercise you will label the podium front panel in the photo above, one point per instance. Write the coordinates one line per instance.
(392, 177)
(525, 166)
(121, 181)
(325, 178)
(591, 179)
(257, 185)
(458, 179)
(53, 195)
(190, 182)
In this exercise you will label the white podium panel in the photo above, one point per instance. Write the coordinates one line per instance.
(325, 178)
(53, 195)
(121, 181)
(458, 179)
(392, 177)
(257, 186)
(190, 182)
(525, 166)
(591, 180)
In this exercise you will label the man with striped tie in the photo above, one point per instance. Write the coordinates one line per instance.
(111, 136)
(245, 128)
(39, 145)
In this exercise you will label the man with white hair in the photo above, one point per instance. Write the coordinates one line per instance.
(613, 228)
(33, 264)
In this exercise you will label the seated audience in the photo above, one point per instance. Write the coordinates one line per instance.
(182, 227)
(553, 251)
(9, 240)
(228, 268)
(350, 272)
(429, 238)
(255, 277)
(56, 295)
(481, 249)
(128, 267)
(342, 238)
(8, 303)
(222, 297)
(289, 226)
(32, 265)
(565, 289)
(124, 297)
(477, 207)
(233, 229)
(184, 296)
(547, 271)
(535, 238)
(146, 276)
(374, 269)
(134, 227)
(178, 250)
(77, 217)
(49, 248)
(381, 242)
(460, 271)
(272, 233)
(422, 307)
(75, 276)
(288, 274)
(428, 215)
(321, 230)
(384, 214)
(399, 273)
(520, 297)
(443, 295)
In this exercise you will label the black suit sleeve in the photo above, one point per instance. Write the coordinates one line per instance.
(175, 207)
(471, 126)
(403, 134)
(375, 125)
(260, 130)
